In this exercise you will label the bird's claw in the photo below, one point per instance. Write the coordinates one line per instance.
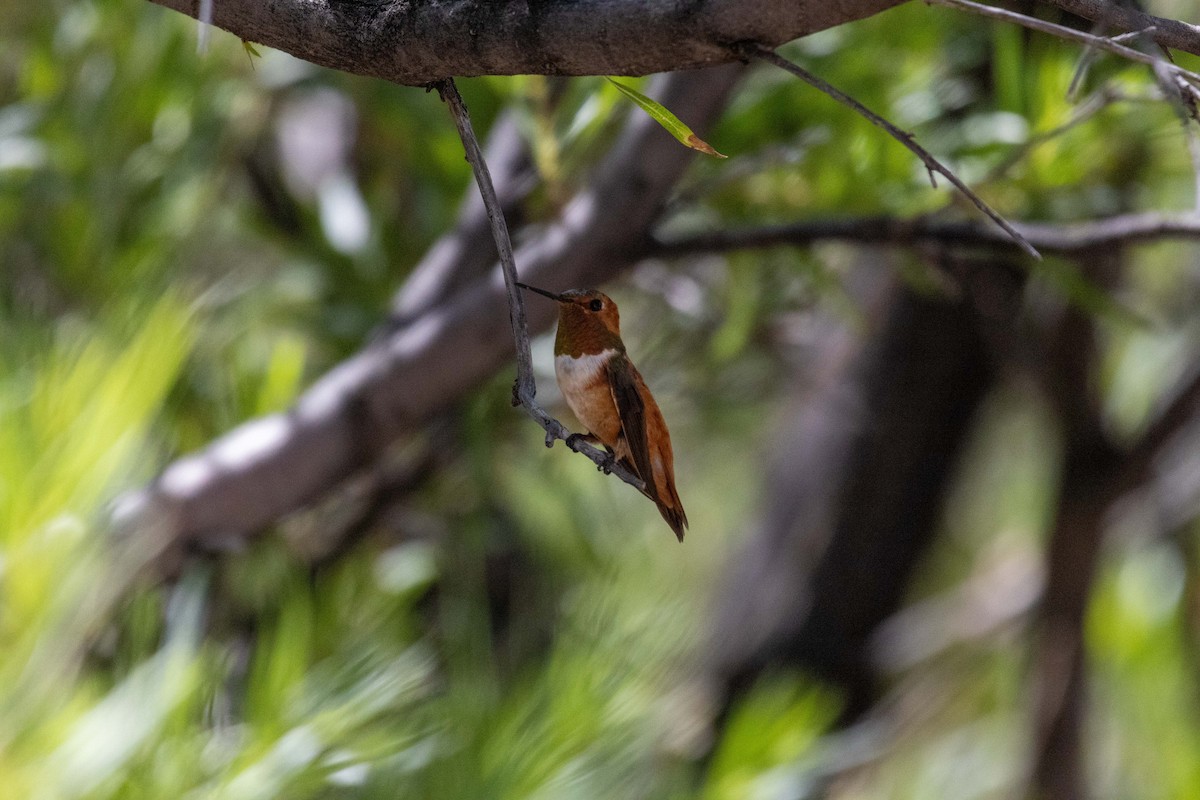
(606, 464)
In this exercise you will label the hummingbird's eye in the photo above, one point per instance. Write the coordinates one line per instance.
(596, 305)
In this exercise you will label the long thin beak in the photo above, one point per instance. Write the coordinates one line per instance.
(542, 292)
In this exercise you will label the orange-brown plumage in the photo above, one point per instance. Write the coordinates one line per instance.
(610, 397)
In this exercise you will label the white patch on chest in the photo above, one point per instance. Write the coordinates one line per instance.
(585, 387)
(576, 373)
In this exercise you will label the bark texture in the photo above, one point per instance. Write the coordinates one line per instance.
(415, 42)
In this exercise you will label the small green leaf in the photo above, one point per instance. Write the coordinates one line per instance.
(662, 116)
(250, 49)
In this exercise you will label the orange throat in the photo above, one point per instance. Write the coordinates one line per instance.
(583, 335)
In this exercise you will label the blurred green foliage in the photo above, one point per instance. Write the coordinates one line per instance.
(159, 284)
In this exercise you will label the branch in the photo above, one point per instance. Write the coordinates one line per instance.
(1084, 111)
(1096, 474)
(1058, 239)
(1063, 32)
(273, 465)
(525, 389)
(931, 163)
(1176, 411)
(416, 43)
(1166, 32)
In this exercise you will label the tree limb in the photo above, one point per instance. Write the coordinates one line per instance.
(860, 472)
(415, 43)
(1176, 411)
(1166, 32)
(1058, 239)
(1096, 475)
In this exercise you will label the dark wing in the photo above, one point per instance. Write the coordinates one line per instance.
(622, 380)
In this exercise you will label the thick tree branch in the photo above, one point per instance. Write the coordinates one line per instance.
(525, 389)
(416, 43)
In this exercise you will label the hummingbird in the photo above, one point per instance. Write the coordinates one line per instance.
(608, 395)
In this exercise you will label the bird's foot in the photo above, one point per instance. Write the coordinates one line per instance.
(610, 459)
(605, 465)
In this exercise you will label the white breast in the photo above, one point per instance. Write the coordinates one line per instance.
(576, 373)
(585, 387)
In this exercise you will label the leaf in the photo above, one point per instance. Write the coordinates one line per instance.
(660, 114)
(251, 51)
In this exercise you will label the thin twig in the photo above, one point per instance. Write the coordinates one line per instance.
(1089, 55)
(525, 389)
(1172, 80)
(1193, 142)
(1090, 107)
(1179, 95)
(931, 163)
(1063, 32)
(1085, 110)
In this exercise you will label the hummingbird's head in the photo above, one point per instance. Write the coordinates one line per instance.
(588, 321)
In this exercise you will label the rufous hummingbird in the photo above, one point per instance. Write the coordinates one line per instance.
(608, 395)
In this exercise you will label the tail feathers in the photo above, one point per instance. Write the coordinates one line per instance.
(671, 507)
(675, 517)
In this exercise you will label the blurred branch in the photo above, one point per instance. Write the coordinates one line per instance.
(417, 43)
(1096, 474)
(1061, 239)
(334, 528)
(1178, 410)
(1099, 42)
(270, 466)
(1086, 492)
(856, 482)
(931, 163)
(999, 594)
(1126, 17)
(1084, 111)
(1183, 98)
(525, 389)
